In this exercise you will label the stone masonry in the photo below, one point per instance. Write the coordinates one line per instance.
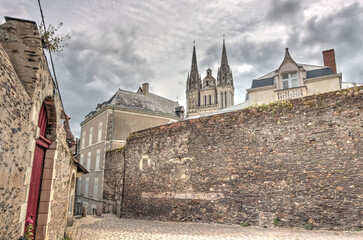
(26, 84)
(298, 163)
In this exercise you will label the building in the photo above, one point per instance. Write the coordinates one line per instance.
(294, 80)
(108, 127)
(37, 169)
(212, 94)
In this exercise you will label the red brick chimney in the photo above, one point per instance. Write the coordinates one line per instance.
(329, 59)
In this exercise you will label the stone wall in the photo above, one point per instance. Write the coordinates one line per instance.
(14, 142)
(26, 84)
(112, 191)
(297, 161)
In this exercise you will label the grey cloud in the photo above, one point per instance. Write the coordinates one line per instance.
(94, 66)
(118, 44)
(284, 10)
(340, 30)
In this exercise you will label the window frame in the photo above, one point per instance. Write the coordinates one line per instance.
(86, 186)
(89, 159)
(289, 80)
(90, 136)
(98, 159)
(99, 136)
(95, 187)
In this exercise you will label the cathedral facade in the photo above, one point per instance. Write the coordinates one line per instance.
(211, 94)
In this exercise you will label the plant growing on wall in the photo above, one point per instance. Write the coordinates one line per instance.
(49, 39)
(277, 221)
(29, 235)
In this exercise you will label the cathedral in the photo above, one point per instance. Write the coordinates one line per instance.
(211, 94)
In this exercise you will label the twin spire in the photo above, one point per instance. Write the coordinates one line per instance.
(224, 74)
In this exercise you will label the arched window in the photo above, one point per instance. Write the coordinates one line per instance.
(210, 99)
(205, 100)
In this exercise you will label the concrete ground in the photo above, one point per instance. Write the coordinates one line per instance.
(111, 227)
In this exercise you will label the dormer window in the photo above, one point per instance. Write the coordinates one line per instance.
(289, 80)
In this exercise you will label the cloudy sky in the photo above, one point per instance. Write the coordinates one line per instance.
(121, 44)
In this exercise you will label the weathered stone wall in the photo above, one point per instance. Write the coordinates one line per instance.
(26, 84)
(300, 163)
(60, 201)
(14, 143)
(113, 180)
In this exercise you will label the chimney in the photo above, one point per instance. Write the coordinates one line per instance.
(145, 89)
(329, 59)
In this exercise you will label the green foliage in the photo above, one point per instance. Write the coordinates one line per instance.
(66, 237)
(120, 149)
(29, 235)
(358, 229)
(272, 108)
(308, 226)
(49, 39)
(277, 221)
(245, 224)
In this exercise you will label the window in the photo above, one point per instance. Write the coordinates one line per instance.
(98, 159)
(99, 132)
(86, 187)
(89, 161)
(81, 159)
(210, 99)
(83, 139)
(222, 99)
(289, 80)
(90, 136)
(95, 188)
(78, 183)
(205, 100)
(225, 98)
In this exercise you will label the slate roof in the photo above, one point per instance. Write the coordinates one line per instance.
(319, 72)
(140, 102)
(311, 72)
(262, 82)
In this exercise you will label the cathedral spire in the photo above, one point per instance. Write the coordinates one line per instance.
(224, 76)
(194, 81)
(194, 68)
(224, 61)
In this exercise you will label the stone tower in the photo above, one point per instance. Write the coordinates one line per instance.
(225, 87)
(212, 94)
(194, 84)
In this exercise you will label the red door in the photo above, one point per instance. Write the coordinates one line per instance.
(36, 177)
(37, 170)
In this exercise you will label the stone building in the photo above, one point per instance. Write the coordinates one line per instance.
(37, 169)
(212, 94)
(108, 127)
(294, 80)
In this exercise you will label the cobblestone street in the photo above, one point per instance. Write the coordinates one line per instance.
(111, 227)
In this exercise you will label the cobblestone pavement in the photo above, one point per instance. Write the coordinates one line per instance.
(111, 227)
